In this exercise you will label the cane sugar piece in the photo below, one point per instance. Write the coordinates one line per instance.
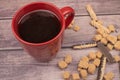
(100, 31)
(68, 58)
(79, 69)
(70, 26)
(112, 39)
(117, 45)
(104, 35)
(110, 46)
(118, 37)
(75, 76)
(117, 58)
(92, 55)
(91, 12)
(83, 64)
(96, 62)
(104, 41)
(95, 24)
(73, 22)
(100, 22)
(66, 75)
(85, 58)
(62, 64)
(111, 28)
(83, 73)
(97, 37)
(109, 76)
(76, 28)
(91, 68)
(98, 54)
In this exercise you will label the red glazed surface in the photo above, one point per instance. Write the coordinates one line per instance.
(47, 50)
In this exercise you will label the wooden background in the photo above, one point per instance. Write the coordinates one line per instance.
(18, 65)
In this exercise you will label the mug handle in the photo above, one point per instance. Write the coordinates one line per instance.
(68, 13)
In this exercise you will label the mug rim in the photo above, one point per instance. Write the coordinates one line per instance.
(42, 43)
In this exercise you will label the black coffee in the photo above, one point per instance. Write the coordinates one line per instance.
(39, 26)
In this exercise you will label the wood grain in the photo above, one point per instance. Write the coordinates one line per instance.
(19, 65)
(101, 7)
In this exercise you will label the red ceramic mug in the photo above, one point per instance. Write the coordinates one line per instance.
(47, 50)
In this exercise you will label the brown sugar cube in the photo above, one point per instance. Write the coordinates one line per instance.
(96, 62)
(109, 76)
(73, 22)
(100, 31)
(83, 64)
(104, 35)
(92, 55)
(79, 69)
(85, 58)
(98, 54)
(110, 46)
(70, 26)
(97, 37)
(62, 64)
(66, 75)
(100, 22)
(118, 37)
(117, 45)
(75, 76)
(104, 41)
(91, 68)
(112, 39)
(76, 28)
(111, 28)
(83, 73)
(68, 58)
(117, 58)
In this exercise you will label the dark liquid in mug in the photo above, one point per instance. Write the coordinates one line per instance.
(39, 26)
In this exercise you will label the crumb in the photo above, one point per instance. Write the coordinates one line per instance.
(111, 28)
(112, 39)
(110, 46)
(97, 37)
(98, 54)
(75, 76)
(92, 55)
(109, 76)
(85, 58)
(104, 41)
(83, 73)
(96, 62)
(117, 45)
(117, 58)
(66, 75)
(68, 59)
(83, 64)
(91, 68)
(76, 28)
(62, 64)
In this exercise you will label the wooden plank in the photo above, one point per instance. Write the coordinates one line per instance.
(8, 8)
(19, 65)
(86, 32)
